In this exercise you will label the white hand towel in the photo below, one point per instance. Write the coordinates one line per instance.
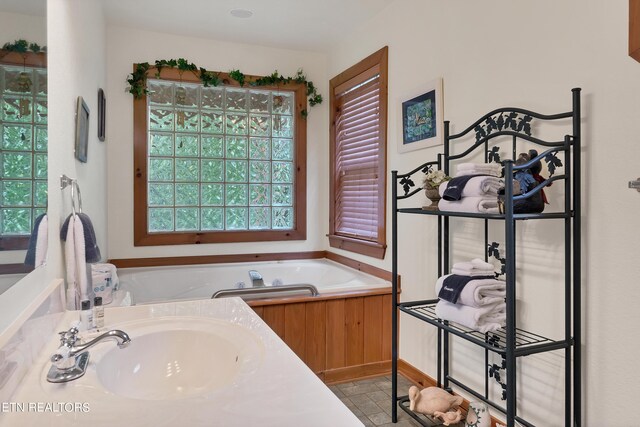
(477, 186)
(485, 319)
(475, 264)
(479, 292)
(472, 273)
(73, 296)
(42, 243)
(471, 205)
(479, 166)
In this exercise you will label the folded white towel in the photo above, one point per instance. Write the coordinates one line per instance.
(477, 186)
(75, 260)
(484, 319)
(471, 205)
(478, 292)
(472, 273)
(475, 264)
(493, 169)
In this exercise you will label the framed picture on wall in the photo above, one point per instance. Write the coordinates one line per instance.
(421, 118)
(82, 130)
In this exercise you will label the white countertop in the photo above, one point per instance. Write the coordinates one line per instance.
(280, 391)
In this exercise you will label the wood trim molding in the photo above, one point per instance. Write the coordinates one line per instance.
(15, 269)
(14, 243)
(634, 29)
(363, 247)
(369, 370)
(423, 380)
(360, 266)
(141, 236)
(213, 259)
(377, 249)
(30, 59)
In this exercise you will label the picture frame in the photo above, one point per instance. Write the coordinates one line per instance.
(102, 107)
(421, 118)
(82, 130)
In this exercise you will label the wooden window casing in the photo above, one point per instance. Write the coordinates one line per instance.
(358, 104)
(34, 60)
(142, 237)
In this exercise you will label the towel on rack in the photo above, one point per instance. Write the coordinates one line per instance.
(38, 242)
(476, 292)
(80, 247)
(482, 319)
(475, 264)
(494, 169)
(92, 251)
(452, 286)
(470, 186)
(471, 205)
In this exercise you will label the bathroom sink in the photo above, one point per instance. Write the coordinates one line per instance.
(178, 358)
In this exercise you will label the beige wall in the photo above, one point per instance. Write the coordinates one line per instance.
(123, 52)
(500, 53)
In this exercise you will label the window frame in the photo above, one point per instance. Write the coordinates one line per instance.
(142, 237)
(375, 249)
(34, 60)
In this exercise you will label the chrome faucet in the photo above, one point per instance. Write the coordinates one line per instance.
(256, 279)
(70, 361)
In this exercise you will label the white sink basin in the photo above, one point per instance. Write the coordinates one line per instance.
(177, 358)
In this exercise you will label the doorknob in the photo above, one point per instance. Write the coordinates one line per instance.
(635, 184)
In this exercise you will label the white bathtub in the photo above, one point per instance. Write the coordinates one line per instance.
(160, 284)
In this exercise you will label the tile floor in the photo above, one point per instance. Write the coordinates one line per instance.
(370, 401)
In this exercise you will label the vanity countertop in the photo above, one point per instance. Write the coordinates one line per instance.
(278, 390)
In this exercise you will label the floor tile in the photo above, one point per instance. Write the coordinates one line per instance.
(380, 418)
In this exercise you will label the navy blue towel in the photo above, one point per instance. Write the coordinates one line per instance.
(30, 258)
(453, 285)
(91, 249)
(453, 192)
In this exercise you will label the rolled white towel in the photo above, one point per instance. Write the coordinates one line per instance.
(478, 292)
(484, 319)
(471, 205)
(477, 186)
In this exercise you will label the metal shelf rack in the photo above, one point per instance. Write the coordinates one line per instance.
(512, 341)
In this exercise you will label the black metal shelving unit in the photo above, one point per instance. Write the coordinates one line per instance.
(511, 342)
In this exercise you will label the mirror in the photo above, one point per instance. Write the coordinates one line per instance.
(23, 132)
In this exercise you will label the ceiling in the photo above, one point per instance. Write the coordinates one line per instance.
(314, 25)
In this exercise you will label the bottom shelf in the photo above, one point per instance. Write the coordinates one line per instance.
(425, 420)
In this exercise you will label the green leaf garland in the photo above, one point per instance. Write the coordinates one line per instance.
(23, 46)
(138, 79)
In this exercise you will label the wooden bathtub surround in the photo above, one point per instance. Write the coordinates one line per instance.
(338, 338)
(341, 336)
(423, 380)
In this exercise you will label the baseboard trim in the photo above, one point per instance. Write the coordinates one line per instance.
(423, 380)
(358, 372)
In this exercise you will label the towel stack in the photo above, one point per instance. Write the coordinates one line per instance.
(472, 297)
(474, 189)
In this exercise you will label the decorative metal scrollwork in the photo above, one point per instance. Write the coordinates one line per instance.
(493, 251)
(493, 156)
(407, 183)
(505, 121)
(494, 372)
(553, 162)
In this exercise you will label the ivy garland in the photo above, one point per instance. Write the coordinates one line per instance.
(23, 46)
(138, 79)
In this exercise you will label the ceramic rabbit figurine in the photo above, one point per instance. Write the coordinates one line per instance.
(450, 417)
(432, 399)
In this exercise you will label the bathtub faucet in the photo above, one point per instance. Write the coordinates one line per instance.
(256, 279)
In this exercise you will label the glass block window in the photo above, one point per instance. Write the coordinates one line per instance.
(219, 158)
(23, 153)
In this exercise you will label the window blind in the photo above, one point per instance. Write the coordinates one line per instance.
(358, 181)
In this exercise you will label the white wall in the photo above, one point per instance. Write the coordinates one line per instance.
(128, 46)
(498, 53)
(14, 26)
(77, 64)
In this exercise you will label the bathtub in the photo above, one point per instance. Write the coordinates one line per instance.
(160, 284)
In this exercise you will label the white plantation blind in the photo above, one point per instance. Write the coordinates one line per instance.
(358, 144)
